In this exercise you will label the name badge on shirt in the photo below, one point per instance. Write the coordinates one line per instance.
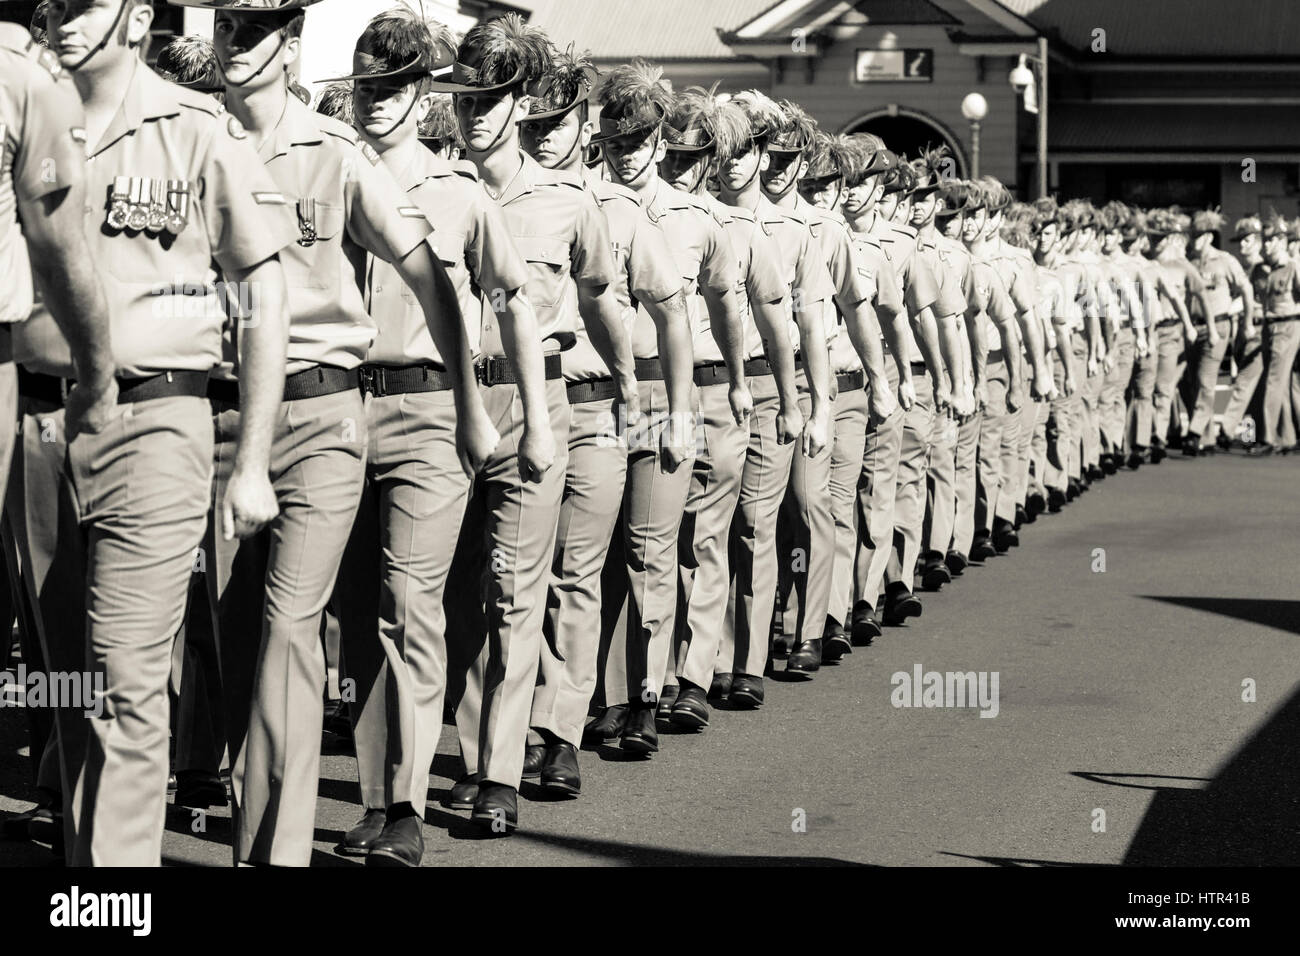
(307, 222)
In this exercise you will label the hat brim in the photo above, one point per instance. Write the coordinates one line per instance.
(561, 111)
(1241, 236)
(924, 189)
(687, 147)
(639, 131)
(450, 86)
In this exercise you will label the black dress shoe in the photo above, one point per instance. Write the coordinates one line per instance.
(806, 659)
(981, 548)
(835, 643)
(956, 563)
(560, 772)
(463, 793)
(1223, 442)
(1055, 500)
(720, 686)
(362, 836)
(39, 824)
(639, 734)
(200, 789)
(1022, 517)
(1072, 490)
(1035, 504)
(497, 808)
(1004, 536)
(746, 691)
(691, 709)
(782, 645)
(1191, 444)
(1134, 460)
(401, 843)
(864, 628)
(1262, 450)
(608, 726)
(935, 574)
(534, 754)
(1110, 463)
(171, 784)
(900, 604)
(666, 698)
(1158, 453)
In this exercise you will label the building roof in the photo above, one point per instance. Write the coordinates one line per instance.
(655, 29)
(1173, 28)
(1171, 128)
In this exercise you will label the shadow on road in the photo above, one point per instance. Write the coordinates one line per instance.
(1281, 614)
(1017, 861)
(636, 854)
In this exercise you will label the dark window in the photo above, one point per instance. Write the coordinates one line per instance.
(1190, 185)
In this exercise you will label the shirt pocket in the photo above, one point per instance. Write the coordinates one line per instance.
(318, 264)
(548, 269)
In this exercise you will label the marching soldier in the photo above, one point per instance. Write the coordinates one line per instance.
(745, 180)
(277, 584)
(1224, 280)
(501, 570)
(634, 105)
(702, 133)
(1130, 337)
(1278, 279)
(183, 189)
(862, 390)
(648, 287)
(1248, 347)
(392, 578)
(42, 194)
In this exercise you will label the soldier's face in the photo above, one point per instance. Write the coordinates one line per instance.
(1275, 249)
(246, 43)
(384, 108)
(903, 211)
(822, 193)
(923, 209)
(1047, 238)
(1250, 245)
(556, 140)
(888, 204)
(782, 171)
(860, 199)
(482, 117)
(741, 169)
(972, 228)
(684, 170)
(75, 27)
(631, 159)
(953, 226)
(1110, 241)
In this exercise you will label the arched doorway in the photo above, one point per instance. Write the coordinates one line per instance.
(908, 132)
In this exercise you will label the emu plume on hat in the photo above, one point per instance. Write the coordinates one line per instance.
(635, 98)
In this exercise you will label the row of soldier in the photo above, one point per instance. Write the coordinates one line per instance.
(737, 373)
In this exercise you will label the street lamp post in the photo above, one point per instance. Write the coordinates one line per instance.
(1034, 89)
(974, 107)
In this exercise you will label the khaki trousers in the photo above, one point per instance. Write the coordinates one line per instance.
(910, 497)
(1111, 409)
(653, 503)
(1171, 362)
(1141, 409)
(746, 638)
(877, 490)
(1208, 362)
(589, 510)
(496, 593)
(389, 593)
(1250, 369)
(995, 481)
(268, 593)
(107, 531)
(1282, 340)
(941, 485)
(704, 568)
(852, 415)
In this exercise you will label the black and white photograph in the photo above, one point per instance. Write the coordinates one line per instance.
(754, 434)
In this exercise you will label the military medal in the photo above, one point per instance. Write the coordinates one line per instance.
(307, 221)
(117, 209)
(137, 216)
(157, 205)
(178, 206)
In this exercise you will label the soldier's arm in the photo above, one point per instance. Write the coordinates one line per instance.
(263, 347)
(770, 305)
(717, 283)
(593, 272)
(812, 289)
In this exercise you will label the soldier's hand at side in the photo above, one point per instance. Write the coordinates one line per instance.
(789, 425)
(536, 453)
(90, 407)
(1070, 384)
(1042, 387)
(883, 404)
(816, 435)
(249, 504)
(1013, 397)
(476, 439)
(676, 442)
(906, 395)
(629, 397)
(742, 403)
(981, 397)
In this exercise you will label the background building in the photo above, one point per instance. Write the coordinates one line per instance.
(1150, 101)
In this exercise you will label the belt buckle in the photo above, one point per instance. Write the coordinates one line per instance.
(366, 378)
(490, 371)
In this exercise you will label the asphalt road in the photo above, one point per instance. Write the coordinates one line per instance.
(1120, 693)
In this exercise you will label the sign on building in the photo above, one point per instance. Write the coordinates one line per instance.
(894, 66)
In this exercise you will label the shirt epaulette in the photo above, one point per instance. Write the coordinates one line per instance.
(15, 38)
(557, 177)
(609, 191)
(463, 167)
(336, 128)
(201, 102)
